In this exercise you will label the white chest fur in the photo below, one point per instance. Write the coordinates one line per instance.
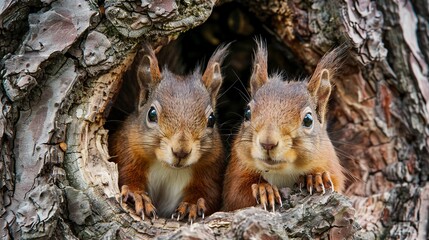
(165, 187)
(281, 179)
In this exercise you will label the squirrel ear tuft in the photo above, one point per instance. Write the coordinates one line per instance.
(319, 87)
(212, 77)
(260, 72)
(148, 74)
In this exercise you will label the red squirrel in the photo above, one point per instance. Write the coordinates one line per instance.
(283, 137)
(169, 151)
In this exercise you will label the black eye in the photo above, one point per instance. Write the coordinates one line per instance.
(211, 120)
(308, 120)
(247, 113)
(152, 115)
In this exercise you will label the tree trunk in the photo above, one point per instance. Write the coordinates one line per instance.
(62, 67)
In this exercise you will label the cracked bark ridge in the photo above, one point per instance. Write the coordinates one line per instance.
(402, 221)
(151, 18)
(305, 217)
(37, 218)
(58, 83)
(8, 116)
(363, 24)
(95, 47)
(62, 24)
(309, 28)
(397, 134)
(379, 112)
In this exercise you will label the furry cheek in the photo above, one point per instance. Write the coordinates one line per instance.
(256, 153)
(195, 154)
(164, 153)
(193, 158)
(289, 156)
(245, 153)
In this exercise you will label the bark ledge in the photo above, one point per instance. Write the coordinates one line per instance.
(302, 217)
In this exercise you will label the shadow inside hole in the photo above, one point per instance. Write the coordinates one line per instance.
(229, 22)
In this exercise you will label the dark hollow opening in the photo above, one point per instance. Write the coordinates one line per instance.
(229, 22)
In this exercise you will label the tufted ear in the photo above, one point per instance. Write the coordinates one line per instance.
(212, 77)
(260, 72)
(148, 74)
(319, 87)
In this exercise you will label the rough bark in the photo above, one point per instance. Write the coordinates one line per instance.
(380, 109)
(62, 64)
(57, 86)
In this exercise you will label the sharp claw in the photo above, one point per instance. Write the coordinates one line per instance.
(311, 190)
(281, 202)
(178, 216)
(192, 221)
(274, 209)
(153, 216)
(172, 216)
(202, 216)
(265, 207)
(323, 190)
(142, 216)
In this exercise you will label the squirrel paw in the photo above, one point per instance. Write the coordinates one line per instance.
(190, 209)
(142, 202)
(265, 192)
(319, 181)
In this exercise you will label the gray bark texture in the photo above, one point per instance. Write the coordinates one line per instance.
(62, 64)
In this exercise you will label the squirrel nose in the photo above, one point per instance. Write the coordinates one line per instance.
(268, 146)
(181, 154)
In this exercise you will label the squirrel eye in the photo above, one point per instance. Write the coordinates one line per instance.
(308, 120)
(211, 120)
(152, 115)
(247, 113)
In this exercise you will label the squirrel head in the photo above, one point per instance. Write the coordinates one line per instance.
(175, 116)
(285, 120)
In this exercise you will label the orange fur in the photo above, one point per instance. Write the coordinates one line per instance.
(131, 160)
(207, 177)
(168, 153)
(237, 186)
(275, 145)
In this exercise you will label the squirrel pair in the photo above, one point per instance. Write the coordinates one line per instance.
(170, 155)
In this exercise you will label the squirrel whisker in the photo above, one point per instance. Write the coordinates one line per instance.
(243, 95)
(229, 88)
